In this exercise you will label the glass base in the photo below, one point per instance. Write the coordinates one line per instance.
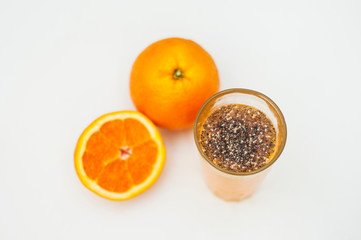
(231, 187)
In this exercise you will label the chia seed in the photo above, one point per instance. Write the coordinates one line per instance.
(238, 138)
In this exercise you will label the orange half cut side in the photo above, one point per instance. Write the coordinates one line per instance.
(120, 155)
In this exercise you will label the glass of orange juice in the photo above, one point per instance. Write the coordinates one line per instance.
(239, 134)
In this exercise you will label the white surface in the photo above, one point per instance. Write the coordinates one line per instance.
(64, 63)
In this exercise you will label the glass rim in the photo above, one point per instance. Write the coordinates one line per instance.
(250, 92)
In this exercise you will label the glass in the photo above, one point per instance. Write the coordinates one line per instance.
(230, 185)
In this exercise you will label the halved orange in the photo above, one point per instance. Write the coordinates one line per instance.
(119, 155)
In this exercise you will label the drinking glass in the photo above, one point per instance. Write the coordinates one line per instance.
(227, 184)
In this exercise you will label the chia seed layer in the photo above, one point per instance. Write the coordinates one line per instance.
(238, 138)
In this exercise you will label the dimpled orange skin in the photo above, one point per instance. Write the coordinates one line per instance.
(171, 79)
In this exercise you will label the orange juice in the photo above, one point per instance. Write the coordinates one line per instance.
(239, 133)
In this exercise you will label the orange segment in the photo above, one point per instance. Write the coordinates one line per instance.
(100, 145)
(92, 165)
(119, 155)
(142, 161)
(115, 177)
(114, 131)
(135, 137)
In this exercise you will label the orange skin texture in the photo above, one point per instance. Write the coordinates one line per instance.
(173, 103)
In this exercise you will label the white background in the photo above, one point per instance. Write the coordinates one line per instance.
(65, 63)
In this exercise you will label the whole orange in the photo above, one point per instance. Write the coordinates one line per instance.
(171, 79)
